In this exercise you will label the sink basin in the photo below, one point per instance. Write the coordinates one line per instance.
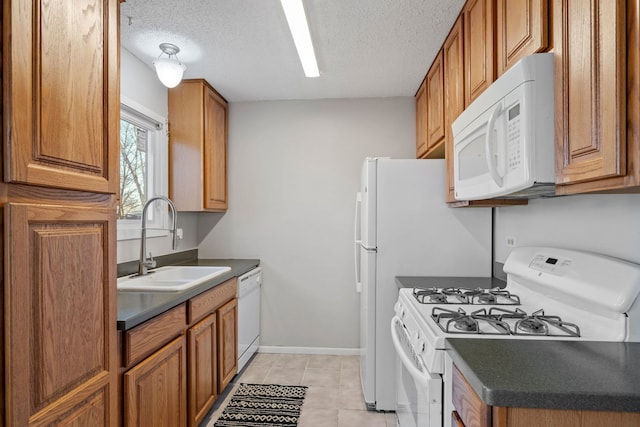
(178, 278)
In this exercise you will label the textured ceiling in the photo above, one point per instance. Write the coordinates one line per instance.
(365, 48)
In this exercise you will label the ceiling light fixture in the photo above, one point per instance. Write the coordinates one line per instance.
(169, 69)
(294, 11)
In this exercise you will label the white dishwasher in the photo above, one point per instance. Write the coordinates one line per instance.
(248, 315)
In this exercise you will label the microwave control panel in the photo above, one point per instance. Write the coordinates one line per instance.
(514, 155)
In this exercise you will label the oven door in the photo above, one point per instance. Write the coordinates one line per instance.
(419, 393)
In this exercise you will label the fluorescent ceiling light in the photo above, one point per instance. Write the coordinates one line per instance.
(294, 11)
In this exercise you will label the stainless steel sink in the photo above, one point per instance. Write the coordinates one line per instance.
(177, 278)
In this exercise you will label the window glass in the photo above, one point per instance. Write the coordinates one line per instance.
(133, 170)
(143, 170)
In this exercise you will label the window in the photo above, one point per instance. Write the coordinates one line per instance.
(143, 170)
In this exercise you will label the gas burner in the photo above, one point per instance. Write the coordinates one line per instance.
(466, 324)
(494, 296)
(459, 322)
(540, 324)
(531, 325)
(438, 299)
(486, 298)
(434, 296)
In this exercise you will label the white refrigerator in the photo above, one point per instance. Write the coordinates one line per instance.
(403, 227)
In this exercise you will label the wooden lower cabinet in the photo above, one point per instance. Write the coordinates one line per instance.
(456, 421)
(531, 417)
(471, 411)
(175, 365)
(155, 390)
(203, 368)
(228, 341)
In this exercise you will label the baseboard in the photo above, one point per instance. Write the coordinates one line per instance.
(309, 350)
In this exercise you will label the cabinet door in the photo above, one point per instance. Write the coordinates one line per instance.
(453, 51)
(155, 390)
(62, 94)
(197, 147)
(435, 106)
(478, 47)
(215, 152)
(591, 90)
(60, 315)
(227, 343)
(203, 363)
(421, 120)
(522, 28)
(471, 410)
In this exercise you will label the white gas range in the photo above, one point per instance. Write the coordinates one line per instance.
(552, 294)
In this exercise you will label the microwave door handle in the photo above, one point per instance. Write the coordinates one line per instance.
(491, 163)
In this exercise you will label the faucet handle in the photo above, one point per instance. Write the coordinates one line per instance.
(151, 263)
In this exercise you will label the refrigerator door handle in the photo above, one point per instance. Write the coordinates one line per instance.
(356, 238)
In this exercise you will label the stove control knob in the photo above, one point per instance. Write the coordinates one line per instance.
(418, 335)
(420, 346)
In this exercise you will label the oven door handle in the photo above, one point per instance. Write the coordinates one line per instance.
(421, 377)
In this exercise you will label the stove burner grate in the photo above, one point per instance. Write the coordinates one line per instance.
(459, 322)
(536, 324)
(501, 322)
(436, 296)
(494, 296)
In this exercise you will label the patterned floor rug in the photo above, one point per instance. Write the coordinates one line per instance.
(261, 405)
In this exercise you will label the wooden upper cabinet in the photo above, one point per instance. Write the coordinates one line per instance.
(430, 113)
(597, 95)
(453, 58)
(478, 47)
(522, 28)
(60, 315)
(61, 94)
(435, 109)
(197, 147)
(421, 120)
(215, 147)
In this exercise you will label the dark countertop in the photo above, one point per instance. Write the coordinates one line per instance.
(449, 282)
(137, 307)
(572, 375)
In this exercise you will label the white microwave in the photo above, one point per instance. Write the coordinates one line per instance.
(504, 141)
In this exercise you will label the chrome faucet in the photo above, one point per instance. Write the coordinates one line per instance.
(145, 263)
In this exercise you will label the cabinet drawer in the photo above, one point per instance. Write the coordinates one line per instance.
(143, 340)
(209, 301)
(468, 405)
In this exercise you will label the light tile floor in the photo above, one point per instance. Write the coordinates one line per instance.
(334, 397)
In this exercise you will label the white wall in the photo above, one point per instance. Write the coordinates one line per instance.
(139, 83)
(603, 223)
(294, 169)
